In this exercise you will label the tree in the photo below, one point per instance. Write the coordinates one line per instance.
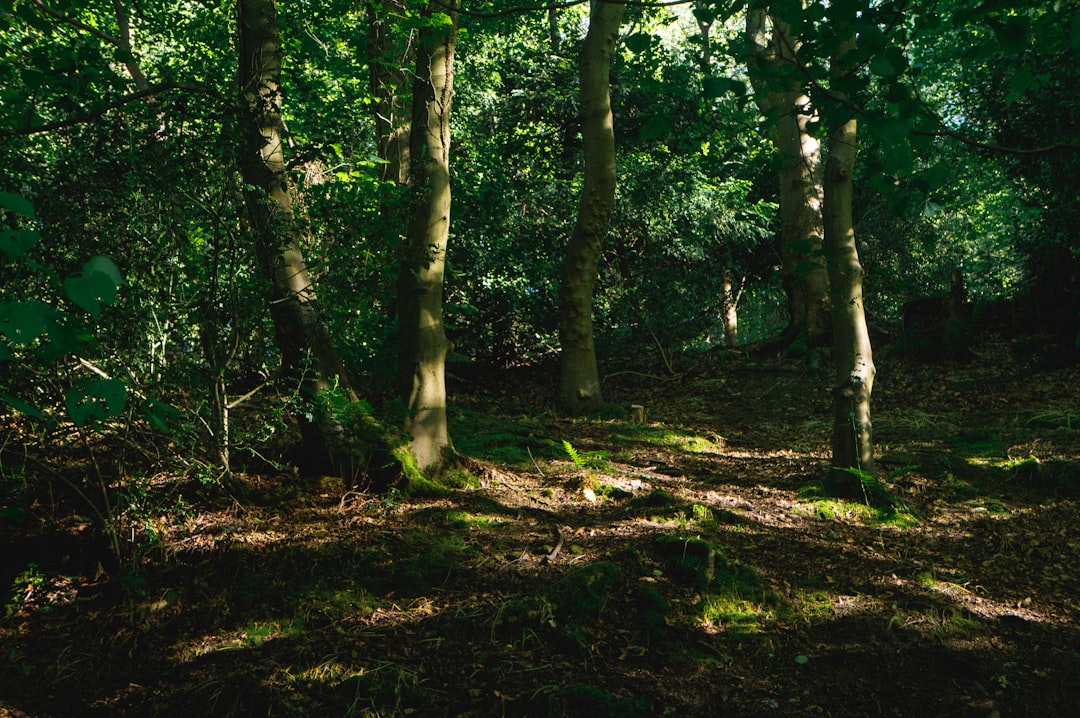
(422, 335)
(784, 101)
(309, 359)
(852, 445)
(389, 56)
(579, 383)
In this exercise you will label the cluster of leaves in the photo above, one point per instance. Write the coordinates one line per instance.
(38, 331)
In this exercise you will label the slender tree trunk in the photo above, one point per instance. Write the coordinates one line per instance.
(579, 386)
(852, 444)
(390, 53)
(785, 103)
(729, 307)
(307, 353)
(422, 337)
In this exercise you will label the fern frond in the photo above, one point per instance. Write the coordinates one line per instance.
(573, 454)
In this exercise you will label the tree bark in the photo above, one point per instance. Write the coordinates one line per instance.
(308, 357)
(729, 307)
(852, 441)
(388, 57)
(422, 337)
(579, 384)
(786, 105)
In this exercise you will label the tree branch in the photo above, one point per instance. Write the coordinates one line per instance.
(99, 111)
(67, 20)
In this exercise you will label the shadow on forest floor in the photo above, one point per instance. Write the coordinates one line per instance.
(686, 566)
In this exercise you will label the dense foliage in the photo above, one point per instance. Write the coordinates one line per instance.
(120, 126)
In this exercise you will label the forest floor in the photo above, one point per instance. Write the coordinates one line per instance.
(685, 565)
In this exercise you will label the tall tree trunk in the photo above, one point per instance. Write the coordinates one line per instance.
(422, 337)
(307, 353)
(786, 105)
(852, 444)
(579, 384)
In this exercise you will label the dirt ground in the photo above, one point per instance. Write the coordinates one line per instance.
(685, 564)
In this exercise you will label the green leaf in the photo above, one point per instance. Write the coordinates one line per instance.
(17, 242)
(160, 415)
(888, 64)
(98, 284)
(638, 42)
(104, 265)
(82, 294)
(17, 204)
(5, 353)
(65, 340)
(95, 399)
(930, 208)
(24, 321)
(21, 406)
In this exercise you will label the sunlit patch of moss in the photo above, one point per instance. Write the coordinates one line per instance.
(945, 583)
(666, 437)
(954, 623)
(336, 603)
(259, 632)
(830, 509)
(811, 604)
(993, 507)
(733, 613)
(458, 519)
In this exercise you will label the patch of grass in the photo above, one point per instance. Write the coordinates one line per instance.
(1054, 419)
(979, 443)
(259, 632)
(336, 603)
